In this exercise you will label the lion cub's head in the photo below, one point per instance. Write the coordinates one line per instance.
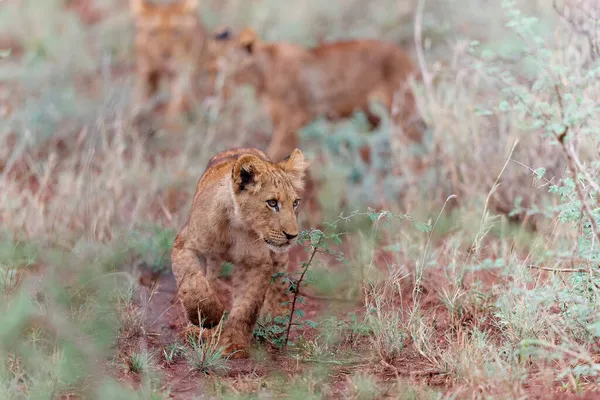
(266, 197)
(236, 54)
(228, 43)
(167, 33)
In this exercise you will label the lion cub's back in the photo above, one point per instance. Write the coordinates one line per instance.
(350, 71)
(364, 56)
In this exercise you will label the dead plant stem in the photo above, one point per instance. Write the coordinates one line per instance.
(315, 249)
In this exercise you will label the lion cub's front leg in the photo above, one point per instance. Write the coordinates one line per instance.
(278, 298)
(251, 284)
(287, 121)
(195, 291)
(180, 88)
(147, 84)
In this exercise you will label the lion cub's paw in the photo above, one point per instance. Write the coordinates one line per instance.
(235, 351)
(195, 333)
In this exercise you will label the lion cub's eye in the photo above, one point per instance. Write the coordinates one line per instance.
(296, 203)
(273, 204)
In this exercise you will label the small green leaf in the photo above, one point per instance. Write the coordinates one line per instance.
(504, 106)
(311, 324)
(539, 173)
(282, 320)
(422, 227)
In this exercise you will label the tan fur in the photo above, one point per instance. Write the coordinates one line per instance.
(231, 221)
(298, 84)
(169, 44)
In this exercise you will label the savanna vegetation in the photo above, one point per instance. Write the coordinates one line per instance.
(466, 266)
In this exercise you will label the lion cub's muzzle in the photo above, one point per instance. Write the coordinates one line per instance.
(280, 240)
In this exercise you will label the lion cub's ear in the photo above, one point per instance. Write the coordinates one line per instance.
(246, 172)
(137, 6)
(248, 39)
(295, 165)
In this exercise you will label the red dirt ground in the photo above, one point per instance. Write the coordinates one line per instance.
(164, 319)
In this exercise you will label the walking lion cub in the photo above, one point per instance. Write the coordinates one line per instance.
(298, 84)
(170, 42)
(244, 212)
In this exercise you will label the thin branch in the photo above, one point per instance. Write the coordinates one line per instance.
(573, 167)
(316, 250)
(582, 169)
(569, 270)
(312, 256)
(325, 298)
(586, 207)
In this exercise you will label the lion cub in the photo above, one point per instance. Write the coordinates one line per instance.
(298, 84)
(169, 41)
(245, 211)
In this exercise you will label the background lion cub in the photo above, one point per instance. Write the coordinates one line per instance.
(245, 212)
(169, 41)
(298, 84)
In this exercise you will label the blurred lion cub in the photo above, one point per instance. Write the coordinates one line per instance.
(169, 43)
(298, 84)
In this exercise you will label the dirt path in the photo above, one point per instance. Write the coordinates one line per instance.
(162, 319)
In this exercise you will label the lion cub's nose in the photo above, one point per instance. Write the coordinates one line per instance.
(288, 236)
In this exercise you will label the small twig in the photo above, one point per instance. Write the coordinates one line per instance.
(560, 269)
(390, 366)
(312, 256)
(572, 164)
(584, 204)
(318, 361)
(326, 298)
(427, 372)
(165, 211)
(314, 252)
(591, 182)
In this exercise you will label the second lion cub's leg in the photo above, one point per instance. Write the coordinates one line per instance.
(146, 87)
(181, 94)
(197, 295)
(286, 124)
